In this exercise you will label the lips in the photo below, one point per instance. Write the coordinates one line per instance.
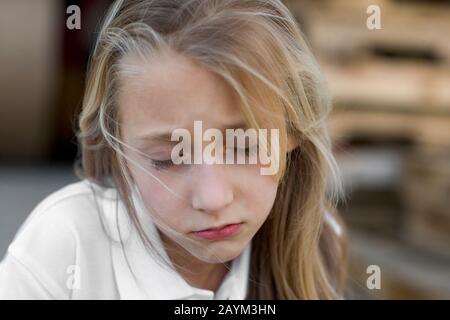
(217, 233)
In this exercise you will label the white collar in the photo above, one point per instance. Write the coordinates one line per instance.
(150, 279)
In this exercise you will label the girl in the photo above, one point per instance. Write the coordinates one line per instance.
(140, 226)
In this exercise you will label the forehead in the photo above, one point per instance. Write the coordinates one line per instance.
(173, 91)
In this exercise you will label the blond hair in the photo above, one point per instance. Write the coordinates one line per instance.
(257, 48)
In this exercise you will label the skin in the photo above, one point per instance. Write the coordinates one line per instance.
(170, 94)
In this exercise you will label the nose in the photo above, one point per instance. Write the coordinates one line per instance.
(212, 191)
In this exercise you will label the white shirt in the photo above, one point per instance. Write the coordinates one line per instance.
(67, 250)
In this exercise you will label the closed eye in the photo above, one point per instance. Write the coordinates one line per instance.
(248, 151)
(162, 164)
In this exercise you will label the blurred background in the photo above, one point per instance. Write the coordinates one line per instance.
(390, 125)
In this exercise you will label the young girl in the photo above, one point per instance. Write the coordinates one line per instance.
(141, 226)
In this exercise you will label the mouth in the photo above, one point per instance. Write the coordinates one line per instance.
(220, 232)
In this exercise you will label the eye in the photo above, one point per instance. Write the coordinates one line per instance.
(250, 150)
(162, 164)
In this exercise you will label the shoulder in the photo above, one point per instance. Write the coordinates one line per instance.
(64, 213)
(71, 197)
(63, 230)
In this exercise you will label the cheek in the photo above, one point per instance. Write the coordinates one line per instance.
(158, 200)
(264, 197)
(258, 193)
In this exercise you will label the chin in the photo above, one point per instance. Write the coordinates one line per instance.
(220, 252)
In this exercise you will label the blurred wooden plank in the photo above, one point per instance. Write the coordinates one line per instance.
(422, 129)
(404, 86)
(426, 193)
(402, 267)
(415, 25)
(403, 66)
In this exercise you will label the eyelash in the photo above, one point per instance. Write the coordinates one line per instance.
(250, 150)
(162, 164)
(165, 164)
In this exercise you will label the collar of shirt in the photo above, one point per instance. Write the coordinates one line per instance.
(143, 273)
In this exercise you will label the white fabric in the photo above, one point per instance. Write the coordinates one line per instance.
(67, 250)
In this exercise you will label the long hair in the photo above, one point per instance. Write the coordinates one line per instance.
(257, 48)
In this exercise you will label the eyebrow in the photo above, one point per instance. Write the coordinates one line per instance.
(165, 134)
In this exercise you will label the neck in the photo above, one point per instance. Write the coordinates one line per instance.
(197, 273)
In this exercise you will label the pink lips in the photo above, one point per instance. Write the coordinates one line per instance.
(219, 233)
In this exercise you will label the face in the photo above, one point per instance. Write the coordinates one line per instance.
(172, 94)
